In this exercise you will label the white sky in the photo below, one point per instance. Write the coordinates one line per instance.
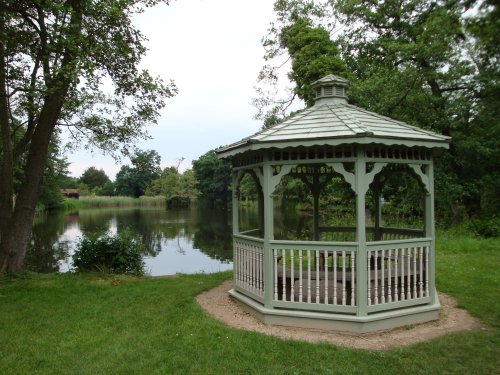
(212, 50)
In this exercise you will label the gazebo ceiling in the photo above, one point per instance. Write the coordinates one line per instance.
(332, 121)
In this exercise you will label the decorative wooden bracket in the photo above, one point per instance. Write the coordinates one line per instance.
(237, 176)
(258, 174)
(351, 177)
(417, 168)
(275, 180)
(369, 177)
(348, 176)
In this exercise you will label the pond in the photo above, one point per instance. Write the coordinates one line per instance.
(190, 240)
(193, 240)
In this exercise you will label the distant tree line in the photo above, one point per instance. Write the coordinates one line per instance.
(209, 180)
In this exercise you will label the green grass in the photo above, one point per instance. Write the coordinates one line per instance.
(91, 324)
(101, 201)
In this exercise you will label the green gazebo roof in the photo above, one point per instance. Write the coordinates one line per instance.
(332, 121)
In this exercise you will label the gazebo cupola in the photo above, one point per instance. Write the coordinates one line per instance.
(330, 90)
(361, 277)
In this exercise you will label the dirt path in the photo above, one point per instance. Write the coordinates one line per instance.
(452, 319)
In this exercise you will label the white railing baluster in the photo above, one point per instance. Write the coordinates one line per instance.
(415, 272)
(325, 256)
(283, 280)
(308, 276)
(343, 279)
(389, 275)
(236, 264)
(369, 286)
(252, 278)
(335, 277)
(396, 281)
(402, 295)
(275, 274)
(353, 277)
(427, 294)
(408, 276)
(245, 266)
(317, 276)
(262, 272)
(382, 291)
(300, 276)
(420, 282)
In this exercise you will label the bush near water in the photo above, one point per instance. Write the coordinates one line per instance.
(119, 254)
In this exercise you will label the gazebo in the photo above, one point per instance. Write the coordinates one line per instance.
(358, 279)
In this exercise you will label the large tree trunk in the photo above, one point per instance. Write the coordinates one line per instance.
(16, 227)
(6, 162)
(15, 237)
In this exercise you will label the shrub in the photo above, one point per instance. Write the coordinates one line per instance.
(121, 253)
(485, 227)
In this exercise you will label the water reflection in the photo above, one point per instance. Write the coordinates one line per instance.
(181, 240)
(190, 240)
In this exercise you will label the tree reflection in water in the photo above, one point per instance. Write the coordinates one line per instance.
(207, 230)
(196, 239)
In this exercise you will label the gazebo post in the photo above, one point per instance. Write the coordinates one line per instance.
(429, 227)
(267, 191)
(361, 260)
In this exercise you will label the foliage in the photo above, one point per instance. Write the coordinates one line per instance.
(55, 176)
(94, 178)
(134, 180)
(313, 55)
(120, 254)
(485, 227)
(213, 177)
(54, 60)
(108, 189)
(433, 64)
(107, 201)
(248, 189)
(178, 189)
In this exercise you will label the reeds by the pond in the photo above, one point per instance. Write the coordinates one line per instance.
(105, 201)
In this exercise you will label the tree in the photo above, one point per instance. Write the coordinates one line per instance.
(178, 189)
(213, 177)
(94, 178)
(134, 180)
(54, 57)
(419, 61)
(55, 177)
(107, 189)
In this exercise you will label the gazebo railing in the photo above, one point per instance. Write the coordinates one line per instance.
(322, 276)
(249, 266)
(318, 276)
(398, 273)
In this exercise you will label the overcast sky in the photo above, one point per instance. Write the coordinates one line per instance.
(212, 50)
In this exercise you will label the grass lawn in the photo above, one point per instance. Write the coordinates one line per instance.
(89, 324)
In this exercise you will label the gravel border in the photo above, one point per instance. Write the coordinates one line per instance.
(217, 303)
